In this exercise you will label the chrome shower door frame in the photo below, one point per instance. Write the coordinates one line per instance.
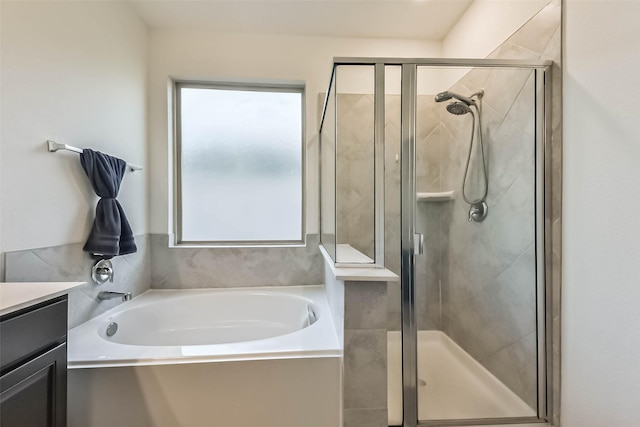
(543, 197)
(542, 240)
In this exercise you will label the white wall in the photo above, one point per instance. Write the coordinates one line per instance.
(74, 72)
(211, 56)
(487, 24)
(601, 296)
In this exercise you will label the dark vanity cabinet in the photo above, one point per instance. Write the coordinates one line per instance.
(33, 366)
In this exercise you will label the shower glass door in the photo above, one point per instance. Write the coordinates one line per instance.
(444, 162)
(476, 279)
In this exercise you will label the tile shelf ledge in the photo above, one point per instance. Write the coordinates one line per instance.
(366, 273)
(442, 196)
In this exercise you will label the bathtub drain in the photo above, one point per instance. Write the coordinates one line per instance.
(112, 329)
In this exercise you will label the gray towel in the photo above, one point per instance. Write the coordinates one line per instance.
(111, 233)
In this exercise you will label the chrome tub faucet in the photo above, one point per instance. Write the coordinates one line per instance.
(107, 295)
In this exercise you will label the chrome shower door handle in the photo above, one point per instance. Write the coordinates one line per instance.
(418, 244)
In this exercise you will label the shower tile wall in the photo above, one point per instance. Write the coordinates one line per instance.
(476, 281)
(489, 301)
(355, 172)
(355, 195)
(430, 147)
(550, 18)
(69, 263)
(392, 230)
(327, 148)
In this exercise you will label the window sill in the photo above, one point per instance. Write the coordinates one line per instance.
(235, 245)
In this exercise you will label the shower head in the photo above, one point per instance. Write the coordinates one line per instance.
(458, 108)
(445, 96)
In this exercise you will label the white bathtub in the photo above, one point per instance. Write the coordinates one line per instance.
(221, 357)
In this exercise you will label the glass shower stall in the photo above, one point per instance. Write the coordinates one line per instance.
(436, 169)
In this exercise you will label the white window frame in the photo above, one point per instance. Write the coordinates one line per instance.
(177, 85)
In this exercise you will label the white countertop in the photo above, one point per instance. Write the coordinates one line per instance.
(15, 296)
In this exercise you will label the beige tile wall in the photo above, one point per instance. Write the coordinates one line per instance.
(365, 354)
(476, 281)
(182, 268)
(70, 263)
(355, 173)
(155, 265)
(429, 147)
(489, 302)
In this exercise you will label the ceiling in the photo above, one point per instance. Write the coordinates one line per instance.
(413, 19)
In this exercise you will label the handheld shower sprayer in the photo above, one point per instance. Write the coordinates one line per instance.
(463, 105)
(445, 96)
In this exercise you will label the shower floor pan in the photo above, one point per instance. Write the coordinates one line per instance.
(451, 383)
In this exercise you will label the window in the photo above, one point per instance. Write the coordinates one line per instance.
(239, 154)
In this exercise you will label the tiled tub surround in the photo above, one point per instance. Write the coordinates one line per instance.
(358, 307)
(155, 265)
(365, 354)
(193, 267)
(68, 263)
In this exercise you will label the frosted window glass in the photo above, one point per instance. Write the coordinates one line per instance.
(241, 165)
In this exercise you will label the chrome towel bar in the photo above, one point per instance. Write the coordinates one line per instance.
(53, 146)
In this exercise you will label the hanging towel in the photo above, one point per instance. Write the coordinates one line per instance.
(111, 233)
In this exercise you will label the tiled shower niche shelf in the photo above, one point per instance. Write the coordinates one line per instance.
(442, 196)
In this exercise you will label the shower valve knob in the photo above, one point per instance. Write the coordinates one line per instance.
(478, 211)
(102, 272)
